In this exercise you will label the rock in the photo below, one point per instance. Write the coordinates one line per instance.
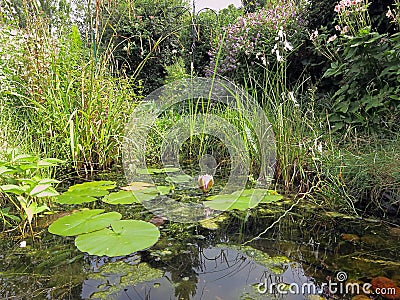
(350, 237)
(381, 284)
(394, 231)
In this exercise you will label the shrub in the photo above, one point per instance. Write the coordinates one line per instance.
(364, 64)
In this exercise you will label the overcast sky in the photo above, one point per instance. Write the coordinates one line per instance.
(215, 4)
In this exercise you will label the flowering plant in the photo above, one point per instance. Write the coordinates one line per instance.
(257, 39)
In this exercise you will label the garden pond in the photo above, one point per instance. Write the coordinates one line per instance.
(220, 258)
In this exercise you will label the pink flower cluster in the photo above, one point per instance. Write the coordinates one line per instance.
(343, 4)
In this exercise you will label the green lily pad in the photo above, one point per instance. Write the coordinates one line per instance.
(179, 178)
(121, 197)
(246, 199)
(72, 198)
(85, 192)
(137, 186)
(84, 221)
(124, 237)
(98, 185)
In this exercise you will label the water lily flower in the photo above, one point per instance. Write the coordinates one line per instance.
(205, 182)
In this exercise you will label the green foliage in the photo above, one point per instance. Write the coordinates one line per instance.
(251, 6)
(144, 37)
(24, 193)
(364, 72)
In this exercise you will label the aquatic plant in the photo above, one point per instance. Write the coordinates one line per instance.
(24, 193)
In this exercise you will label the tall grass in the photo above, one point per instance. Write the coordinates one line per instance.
(63, 98)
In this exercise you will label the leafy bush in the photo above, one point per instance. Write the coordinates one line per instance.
(365, 65)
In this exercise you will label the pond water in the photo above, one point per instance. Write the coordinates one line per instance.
(306, 249)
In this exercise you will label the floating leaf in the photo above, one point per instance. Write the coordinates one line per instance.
(249, 198)
(125, 237)
(83, 222)
(97, 185)
(179, 178)
(85, 192)
(136, 186)
(66, 198)
(121, 197)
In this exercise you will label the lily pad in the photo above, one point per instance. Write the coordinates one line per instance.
(241, 200)
(124, 237)
(97, 185)
(137, 186)
(179, 178)
(121, 197)
(85, 192)
(84, 221)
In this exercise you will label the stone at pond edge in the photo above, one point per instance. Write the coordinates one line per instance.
(350, 237)
(380, 283)
(395, 231)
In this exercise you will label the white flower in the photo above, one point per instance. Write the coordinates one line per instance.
(22, 244)
(314, 35)
(278, 57)
(288, 46)
(291, 97)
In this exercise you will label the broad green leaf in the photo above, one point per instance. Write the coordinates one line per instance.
(83, 222)
(25, 158)
(137, 185)
(121, 197)
(12, 188)
(124, 237)
(50, 192)
(38, 189)
(49, 162)
(5, 170)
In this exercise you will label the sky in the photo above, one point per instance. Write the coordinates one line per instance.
(215, 4)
